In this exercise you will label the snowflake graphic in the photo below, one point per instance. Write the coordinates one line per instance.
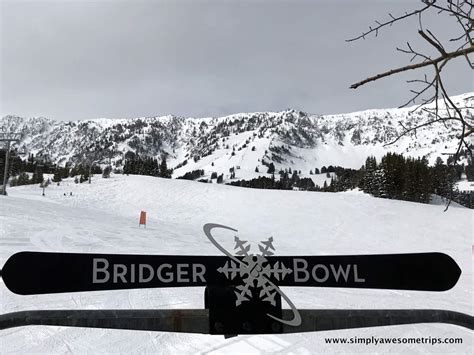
(255, 271)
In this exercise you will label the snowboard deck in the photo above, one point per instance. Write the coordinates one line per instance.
(29, 273)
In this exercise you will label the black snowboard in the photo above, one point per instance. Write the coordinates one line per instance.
(29, 273)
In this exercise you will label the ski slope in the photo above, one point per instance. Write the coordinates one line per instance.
(102, 217)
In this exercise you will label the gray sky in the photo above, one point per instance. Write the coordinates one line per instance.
(87, 59)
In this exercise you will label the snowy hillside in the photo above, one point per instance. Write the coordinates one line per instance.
(289, 139)
(103, 217)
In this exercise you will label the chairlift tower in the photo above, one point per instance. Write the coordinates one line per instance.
(91, 164)
(42, 162)
(9, 138)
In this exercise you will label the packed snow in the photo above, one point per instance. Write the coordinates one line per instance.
(102, 217)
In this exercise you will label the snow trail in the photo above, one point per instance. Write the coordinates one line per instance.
(102, 217)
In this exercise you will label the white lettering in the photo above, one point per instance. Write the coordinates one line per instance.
(141, 278)
(200, 274)
(340, 270)
(326, 273)
(356, 276)
(297, 269)
(120, 274)
(96, 269)
(169, 274)
(181, 273)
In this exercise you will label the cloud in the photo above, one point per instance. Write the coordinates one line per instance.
(85, 59)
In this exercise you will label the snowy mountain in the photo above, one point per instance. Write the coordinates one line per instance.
(246, 141)
(102, 217)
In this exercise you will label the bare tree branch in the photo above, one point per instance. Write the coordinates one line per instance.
(433, 90)
(388, 23)
(434, 43)
(449, 55)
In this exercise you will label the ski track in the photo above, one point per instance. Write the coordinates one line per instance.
(103, 218)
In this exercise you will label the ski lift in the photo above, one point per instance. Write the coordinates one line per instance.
(20, 152)
(8, 138)
(43, 159)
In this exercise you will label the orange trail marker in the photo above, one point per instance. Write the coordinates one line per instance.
(142, 219)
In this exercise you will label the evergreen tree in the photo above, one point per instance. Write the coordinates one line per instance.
(192, 175)
(107, 171)
(84, 177)
(368, 181)
(443, 179)
(392, 166)
(57, 177)
(24, 179)
(285, 182)
(424, 182)
(379, 184)
(64, 172)
(37, 177)
(271, 168)
(13, 181)
(164, 171)
(295, 179)
(470, 172)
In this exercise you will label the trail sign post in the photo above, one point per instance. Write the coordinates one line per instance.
(142, 220)
(242, 292)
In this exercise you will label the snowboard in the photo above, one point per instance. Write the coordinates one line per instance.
(29, 273)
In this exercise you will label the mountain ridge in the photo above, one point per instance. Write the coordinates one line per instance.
(246, 141)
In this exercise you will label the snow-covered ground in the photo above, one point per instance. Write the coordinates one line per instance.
(465, 185)
(103, 217)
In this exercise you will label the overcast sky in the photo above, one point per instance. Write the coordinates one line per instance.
(87, 59)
